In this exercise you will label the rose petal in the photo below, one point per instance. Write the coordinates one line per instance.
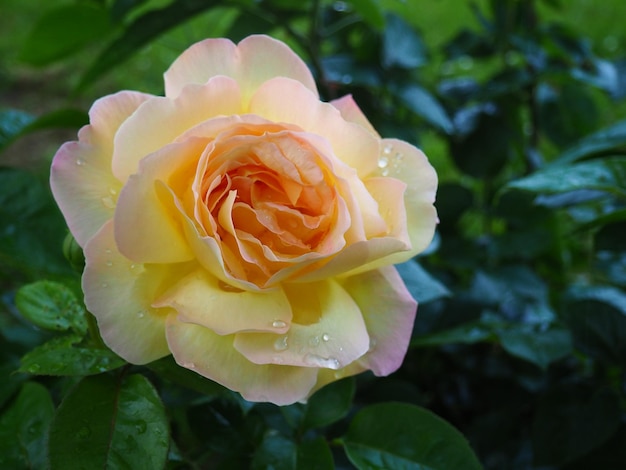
(160, 121)
(119, 293)
(204, 300)
(213, 356)
(389, 312)
(147, 226)
(352, 113)
(327, 330)
(81, 179)
(351, 143)
(253, 61)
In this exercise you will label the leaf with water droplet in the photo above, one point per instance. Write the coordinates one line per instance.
(23, 426)
(127, 428)
(51, 306)
(66, 355)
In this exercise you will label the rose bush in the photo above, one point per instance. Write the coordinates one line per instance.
(244, 226)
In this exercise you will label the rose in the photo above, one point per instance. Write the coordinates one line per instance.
(245, 226)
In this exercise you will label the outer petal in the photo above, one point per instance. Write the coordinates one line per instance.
(160, 121)
(119, 294)
(253, 61)
(202, 299)
(81, 179)
(147, 225)
(327, 331)
(285, 100)
(389, 313)
(352, 113)
(214, 356)
(409, 164)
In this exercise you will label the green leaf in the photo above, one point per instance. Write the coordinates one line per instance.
(23, 427)
(612, 139)
(371, 11)
(63, 356)
(51, 306)
(570, 422)
(611, 236)
(422, 286)
(539, 347)
(314, 455)
(425, 105)
(109, 422)
(597, 319)
(329, 404)
(65, 118)
(275, 452)
(394, 435)
(402, 46)
(64, 31)
(468, 333)
(12, 123)
(607, 174)
(139, 33)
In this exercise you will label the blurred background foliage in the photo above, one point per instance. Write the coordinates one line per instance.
(520, 339)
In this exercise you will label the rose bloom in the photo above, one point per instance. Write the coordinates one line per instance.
(244, 226)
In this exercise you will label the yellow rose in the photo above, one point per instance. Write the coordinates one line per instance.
(244, 226)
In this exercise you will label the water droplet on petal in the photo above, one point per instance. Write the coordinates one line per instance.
(325, 337)
(108, 202)
(80, 161)
(112, 192)
(387, 149)
(314, 341)
(281, 343)
(385, 172)
(279, 324)
(109, 263)
(319, 361)
(383, 162)
(141, 314)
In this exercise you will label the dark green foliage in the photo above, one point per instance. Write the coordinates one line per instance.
(518, 357)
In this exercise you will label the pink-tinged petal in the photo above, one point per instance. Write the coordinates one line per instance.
(389, 313)
(389, 194)
(213, 356)
(253, 61)
(352, 113)
(147, 222)
(203, 299)
(81, 178)
(327, 330)
(119, 293)
(161, 121)
(350, 142)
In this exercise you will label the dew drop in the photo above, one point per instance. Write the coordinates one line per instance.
(112, 192)
(279, 324)
(281, 343)
(141, 314)
(387, 149)
(383, 162)
(80, 161)
(108, 202)
(314, 341)
(385, 172)
(325, 337)
(319, 361)
(109, 263)
(227, 287)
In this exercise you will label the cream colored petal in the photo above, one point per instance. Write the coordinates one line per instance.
(203, 299)
(161, 121)
(327, 330)
(120, 293)
(147, 224)
(253, 61)
(352, 113)
(285, 100)
(389, 313)
(213, 356)
(81, 179)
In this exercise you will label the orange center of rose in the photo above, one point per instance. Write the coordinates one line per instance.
(270, 198)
